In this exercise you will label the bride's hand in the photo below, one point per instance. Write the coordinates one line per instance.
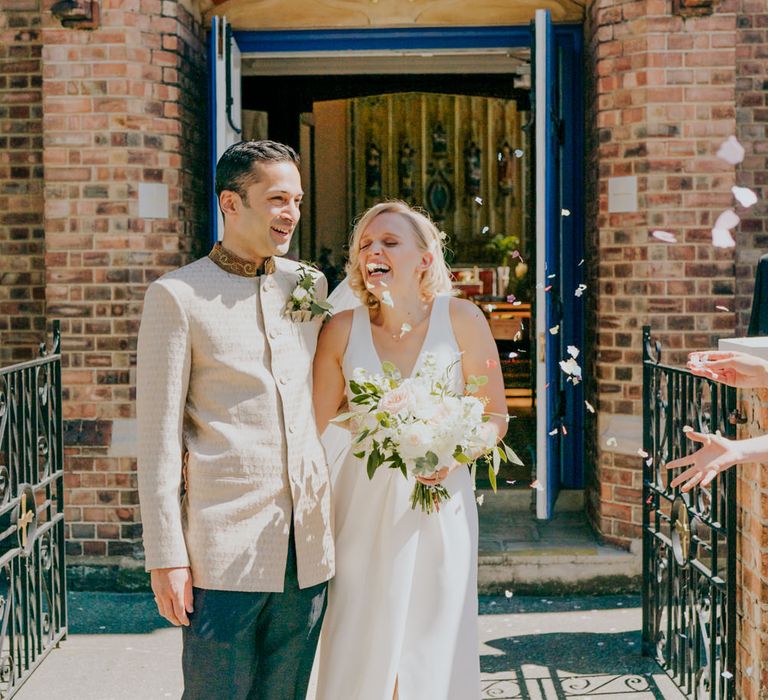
(436, 477)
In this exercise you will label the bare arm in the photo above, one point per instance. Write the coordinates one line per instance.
(732, 368)
(328, 377)
(717, 455)
(481, 358)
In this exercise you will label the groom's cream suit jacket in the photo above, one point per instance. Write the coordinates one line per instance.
(225, 377)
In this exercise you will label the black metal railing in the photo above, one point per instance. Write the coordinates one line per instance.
(33, 611)
(689, 540)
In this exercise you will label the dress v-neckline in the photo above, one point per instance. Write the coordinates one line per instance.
(421, 349)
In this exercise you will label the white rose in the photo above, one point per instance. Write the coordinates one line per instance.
(415, 440)
(299, 294)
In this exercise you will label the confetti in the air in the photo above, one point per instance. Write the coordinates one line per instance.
(722, 238)
(552, 276)
(536, 485)
(665, 236)
(555, 329)
(744, 196)
(687, 429)
(485, 229)
(405, 328)
(722, 308)
(731, 151)
(581, 262)
(519, 153)
(512, 355)
(370, 286)
(508, 594)
(589, 406)
(491, 364)
(564, 429)
(480, 499)
(611, 442)
(572, 369)
(565, 212)
(386, 298)
(511, 299)
(548, 287)
(573, 351)
(727, 220)
(553, 432)
(580, 290)
(478, 200)
(642, 452)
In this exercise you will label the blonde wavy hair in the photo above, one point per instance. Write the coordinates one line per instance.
(436, 279)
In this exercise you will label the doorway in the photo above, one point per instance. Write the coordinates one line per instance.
(446, 84)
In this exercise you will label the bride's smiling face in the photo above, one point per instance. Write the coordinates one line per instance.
(390, 257)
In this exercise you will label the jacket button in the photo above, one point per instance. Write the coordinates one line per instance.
(274, 333)
(283, 381)
(291, 428)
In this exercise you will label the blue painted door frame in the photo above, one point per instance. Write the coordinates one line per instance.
(567, 242)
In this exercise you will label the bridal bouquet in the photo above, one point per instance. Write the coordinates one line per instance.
(419, 425)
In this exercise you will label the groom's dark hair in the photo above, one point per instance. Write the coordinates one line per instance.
(236, 169)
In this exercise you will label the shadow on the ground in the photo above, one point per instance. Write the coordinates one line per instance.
(571, 653)
(113, 613)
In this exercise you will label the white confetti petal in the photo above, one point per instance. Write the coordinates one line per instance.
(722, 308)
(731, 151)
(480, 499)
(687, 429)
(580, 290)
(555, 329)
(478, 200)
(553, 432)
(519, 153)
(573, 351)
(508, 594)
(744, 196)
(589, 406)
(642, 452)
(728, 219)
(370, 286)
(386, 298)
(565, 212)
(665, 236)
(485, 229)
(611, 442)
(722, 238)
(405, 328)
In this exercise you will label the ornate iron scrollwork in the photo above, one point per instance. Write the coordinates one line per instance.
(689, 542)
(33, 613)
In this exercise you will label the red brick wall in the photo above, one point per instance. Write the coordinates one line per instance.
(123, 104)
(662, 103)
(752, 564)
(22, 285)
(752, 131)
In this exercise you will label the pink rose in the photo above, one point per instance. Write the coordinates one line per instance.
(395, 400)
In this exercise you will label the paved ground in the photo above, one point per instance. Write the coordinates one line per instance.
(532, 648)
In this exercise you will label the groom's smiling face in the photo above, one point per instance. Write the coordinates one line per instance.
(262, 223)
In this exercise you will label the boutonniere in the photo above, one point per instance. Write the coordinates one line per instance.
(303, 304)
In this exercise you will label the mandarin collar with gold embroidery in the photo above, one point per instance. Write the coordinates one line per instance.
(229, 262)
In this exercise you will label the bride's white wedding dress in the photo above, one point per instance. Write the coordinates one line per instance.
(403, 603)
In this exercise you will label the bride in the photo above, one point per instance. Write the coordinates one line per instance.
(402, 609)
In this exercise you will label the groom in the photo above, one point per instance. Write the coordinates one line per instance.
(233, 482)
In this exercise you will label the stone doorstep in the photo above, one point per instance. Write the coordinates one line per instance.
(523, 499)
(560, 571)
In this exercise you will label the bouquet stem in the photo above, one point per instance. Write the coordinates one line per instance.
(428, 498)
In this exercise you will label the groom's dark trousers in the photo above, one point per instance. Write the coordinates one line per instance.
(253, 646)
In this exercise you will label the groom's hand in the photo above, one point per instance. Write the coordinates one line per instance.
(173, 593)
